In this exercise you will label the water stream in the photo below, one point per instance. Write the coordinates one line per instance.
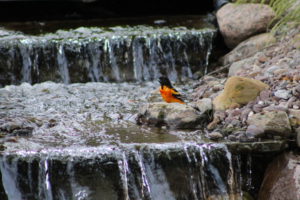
(68, 126)
(109, 54)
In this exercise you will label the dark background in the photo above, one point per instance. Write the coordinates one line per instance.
(76, 9)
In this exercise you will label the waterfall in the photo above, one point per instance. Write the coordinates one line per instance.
(154, 172)
(140, 53)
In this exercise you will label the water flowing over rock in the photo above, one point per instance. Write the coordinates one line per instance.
(117, 54)
(161, 171)
(85, 144)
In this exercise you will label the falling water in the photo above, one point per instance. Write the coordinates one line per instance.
(139, 53)
(160, 171)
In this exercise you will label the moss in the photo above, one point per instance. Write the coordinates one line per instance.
(286, 11)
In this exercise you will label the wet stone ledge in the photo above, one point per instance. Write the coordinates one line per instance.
(114, 54)
(135, 171)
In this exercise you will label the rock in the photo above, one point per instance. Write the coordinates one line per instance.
(249, 47)
(294, 115)
(238, 91)
(298, 137)
(218, 117)
(240, 66)
(238, 22)
(265, 95)
(254, 131)
(275, 123)
(283, 94)
(258, 108)
(204, 104)
(172, 115)
(282, 179)
(275, 108)
(296, 41)
(215, 135)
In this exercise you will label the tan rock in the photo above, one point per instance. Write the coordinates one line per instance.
(238, 91)
(294, 116)
(238, 22)
(282, 179)
(249, 47)
(274, 122)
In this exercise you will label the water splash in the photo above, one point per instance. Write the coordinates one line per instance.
(158, 171)
(116, 54)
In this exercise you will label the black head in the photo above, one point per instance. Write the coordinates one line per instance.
(163, 80)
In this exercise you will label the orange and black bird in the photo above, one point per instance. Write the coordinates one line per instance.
(168, 92)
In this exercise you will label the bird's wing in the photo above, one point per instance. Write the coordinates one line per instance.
(177, 95)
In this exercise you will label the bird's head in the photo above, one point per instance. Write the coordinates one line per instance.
(163, 80)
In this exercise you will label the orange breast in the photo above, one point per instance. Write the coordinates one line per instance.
(166, 94)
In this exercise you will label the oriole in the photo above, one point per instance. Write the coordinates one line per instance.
(168, 92)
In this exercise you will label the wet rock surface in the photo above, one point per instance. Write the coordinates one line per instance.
(174, 115)
(107, 54)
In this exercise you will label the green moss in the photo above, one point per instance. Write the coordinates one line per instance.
(286, 11)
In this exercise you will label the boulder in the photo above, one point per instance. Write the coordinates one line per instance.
(274, 122)
(282, 179)
(238, 22)
(172, 115)
(238, 91)
(249, 47)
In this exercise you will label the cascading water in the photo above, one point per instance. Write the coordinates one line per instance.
(139, 171)
(139, 53)
(81, 141)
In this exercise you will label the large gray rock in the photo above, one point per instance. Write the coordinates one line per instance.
(172, 115)
(238, 22)
(249, 47)
(274, 122)
(282, 179)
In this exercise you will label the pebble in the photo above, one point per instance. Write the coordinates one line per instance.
(283, 94)
(215, 135)
(254, 131)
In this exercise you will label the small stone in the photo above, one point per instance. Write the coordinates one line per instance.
(280, 71)
(257, 108)
(254, 131)
(294, 116)
(262, 59)
(204, 104)
(215, 135)
(295, 107)
(270, 70)
(283, 94)
(275, 108)
(232, 138)
(244, 114)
